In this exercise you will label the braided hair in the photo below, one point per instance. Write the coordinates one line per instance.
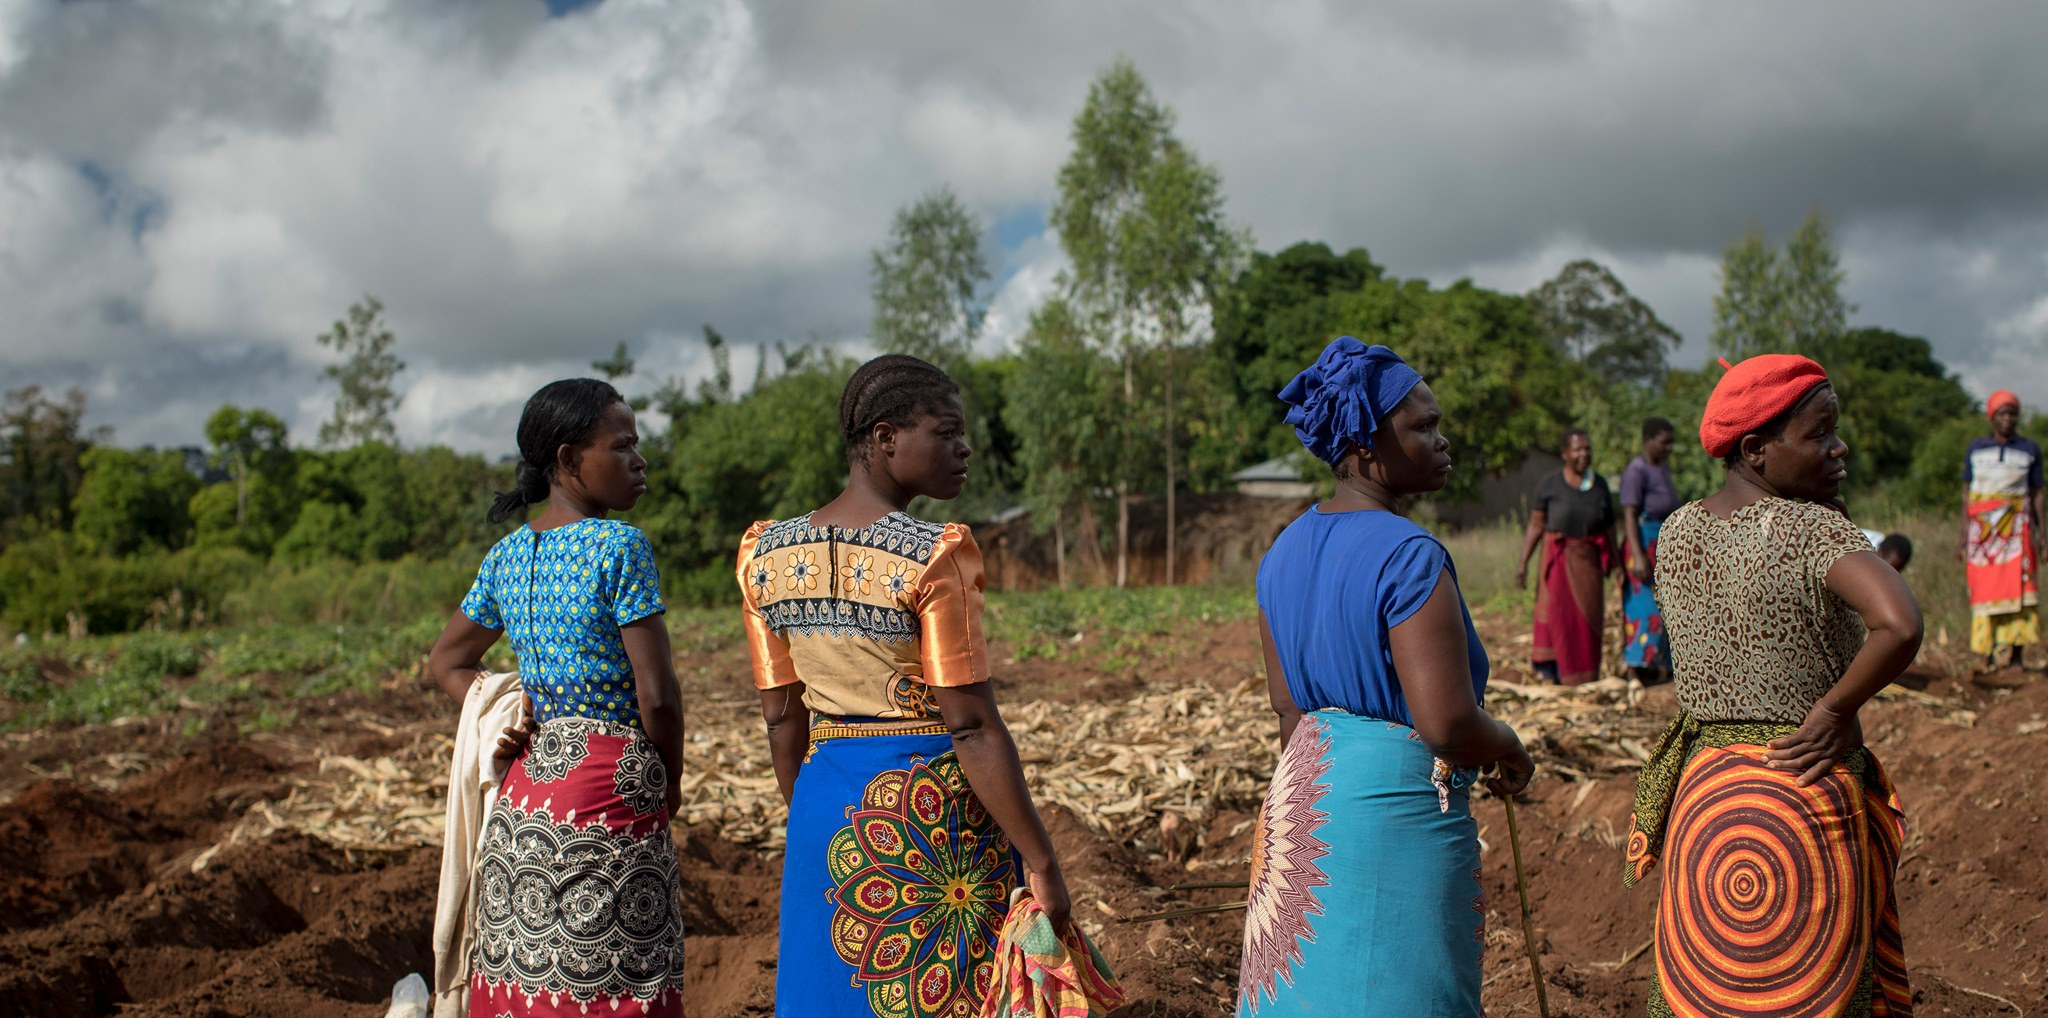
(894, 387)
(561, 413)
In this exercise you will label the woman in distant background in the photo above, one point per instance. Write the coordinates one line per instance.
(1571, 516)
(1648, 495)
(2001, 542)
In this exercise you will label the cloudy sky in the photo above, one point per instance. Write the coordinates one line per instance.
(191, 190)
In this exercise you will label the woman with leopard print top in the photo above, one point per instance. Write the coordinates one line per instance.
(1778, 831)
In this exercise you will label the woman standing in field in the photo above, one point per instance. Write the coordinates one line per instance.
(1648, 495)
(578, 899)
(905, 791)
(1571, 516)
(2001, 542)
(1365, 894)
(1778, 830)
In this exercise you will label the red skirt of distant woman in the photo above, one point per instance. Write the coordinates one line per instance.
(1571, 605)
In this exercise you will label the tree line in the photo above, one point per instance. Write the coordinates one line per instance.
(1149, 371)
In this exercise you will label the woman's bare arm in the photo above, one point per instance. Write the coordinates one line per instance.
(1892, 617)
(1277, 694)
(989, 756)
(1431, 663)
(789, 733)
(660, 697)
(1538, 520)
(458, 655)
(1632, 539)
(455, 663)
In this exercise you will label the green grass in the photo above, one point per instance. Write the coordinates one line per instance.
(703, 630)
(149, 673)
(1043, 623)
(1935, 574)
(1486, 558)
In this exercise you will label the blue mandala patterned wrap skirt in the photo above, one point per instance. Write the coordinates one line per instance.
(896, 880)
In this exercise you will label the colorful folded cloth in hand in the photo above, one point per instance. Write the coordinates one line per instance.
(1042, 975)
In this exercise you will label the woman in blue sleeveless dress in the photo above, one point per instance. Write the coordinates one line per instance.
(577, 896)
(1365, 895)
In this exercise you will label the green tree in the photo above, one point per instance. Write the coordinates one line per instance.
(1054, 404)
(616, 369)
(676, 401)
(928, 280)
(448, 497)
(1815, 311)
(1502, 387)
(362, 410)
(1780, 301)
(1588, 315)
(1893, 391)
(1274, 320)
(43, 442)
(1934, 481)
(1747, 320)
(1141, 221)
(772, 453)
(134, 500)
(255, 506)
(246, 443)
(619, 365)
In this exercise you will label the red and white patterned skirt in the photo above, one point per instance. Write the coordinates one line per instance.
(578, 904)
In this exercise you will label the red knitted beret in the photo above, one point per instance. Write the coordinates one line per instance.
(1751, 394)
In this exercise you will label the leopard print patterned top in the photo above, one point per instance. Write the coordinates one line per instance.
(1755, 633)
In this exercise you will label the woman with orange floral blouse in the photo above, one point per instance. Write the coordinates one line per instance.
(908, 809)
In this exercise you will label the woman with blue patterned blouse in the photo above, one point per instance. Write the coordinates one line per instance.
(577, 895)
(908, 812)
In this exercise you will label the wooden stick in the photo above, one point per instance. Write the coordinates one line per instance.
(1201, 885)
(1180, 912)
(1528, 925)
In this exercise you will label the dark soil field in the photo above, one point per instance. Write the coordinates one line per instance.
(133, 883)
(1974, 881)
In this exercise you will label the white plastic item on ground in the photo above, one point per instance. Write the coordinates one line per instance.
(409, 998)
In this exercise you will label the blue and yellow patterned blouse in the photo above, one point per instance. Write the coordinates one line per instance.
(561, 595)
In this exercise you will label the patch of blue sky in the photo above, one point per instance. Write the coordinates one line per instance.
(120, 202)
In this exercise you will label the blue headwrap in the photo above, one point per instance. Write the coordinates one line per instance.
(1341, 399)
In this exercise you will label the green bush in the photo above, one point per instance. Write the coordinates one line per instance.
(338, 592)
(1036, 622)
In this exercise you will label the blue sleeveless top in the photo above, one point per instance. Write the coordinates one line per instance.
(1333, 586)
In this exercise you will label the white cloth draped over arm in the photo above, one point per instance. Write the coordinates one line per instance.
(492, 706)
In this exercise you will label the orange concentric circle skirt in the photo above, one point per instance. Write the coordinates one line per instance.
(1763, 909)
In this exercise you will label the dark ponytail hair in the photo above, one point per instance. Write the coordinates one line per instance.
(894, 387)
(561, 413)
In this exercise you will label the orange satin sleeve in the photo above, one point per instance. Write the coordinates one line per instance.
(769, 652)
(951, 645)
